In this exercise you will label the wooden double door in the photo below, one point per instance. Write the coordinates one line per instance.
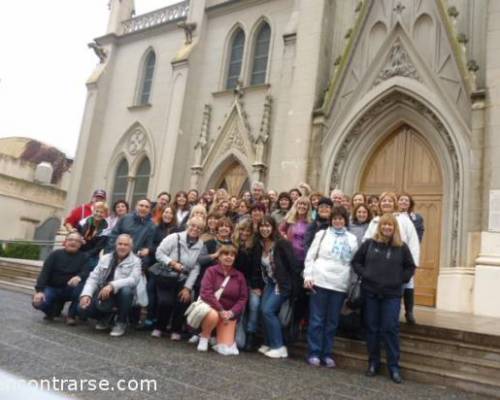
(405, 162)
(234, 179)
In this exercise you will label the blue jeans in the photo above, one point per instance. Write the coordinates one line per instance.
(119, 303)
(253, 312)
(53, 296)
(270, 308)
(382, 323)
(324, 317)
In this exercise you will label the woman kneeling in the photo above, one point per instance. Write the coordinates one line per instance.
(224, 289)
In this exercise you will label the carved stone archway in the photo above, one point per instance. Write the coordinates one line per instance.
(372, 127)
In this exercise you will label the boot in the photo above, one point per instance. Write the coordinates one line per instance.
(250, 342)
(409, 299)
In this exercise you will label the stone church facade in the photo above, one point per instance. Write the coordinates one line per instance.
(368, 95)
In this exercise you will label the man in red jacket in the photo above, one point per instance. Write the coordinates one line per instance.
(83, 211)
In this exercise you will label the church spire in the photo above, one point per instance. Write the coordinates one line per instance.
(120, 10)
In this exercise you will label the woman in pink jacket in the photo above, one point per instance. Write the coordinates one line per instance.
(225, 290)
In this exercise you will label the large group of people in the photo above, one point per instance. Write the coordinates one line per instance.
(248, 273)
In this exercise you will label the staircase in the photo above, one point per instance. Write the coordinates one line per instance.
(19, 275)
(466, 360)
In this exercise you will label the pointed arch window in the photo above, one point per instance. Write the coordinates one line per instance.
(261, 55)
(121, 182)
(147, 78)
(235, 59)
(141, 183)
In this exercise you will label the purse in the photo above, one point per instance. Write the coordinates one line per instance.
(164, 272)
(198, 310)
(354, 295)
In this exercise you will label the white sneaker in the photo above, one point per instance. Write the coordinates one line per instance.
(226, 350)
(264, 349)
(118, 329)
(194, 339)
(156, 333)
(280, 352)
(176, 337)
(202, 344)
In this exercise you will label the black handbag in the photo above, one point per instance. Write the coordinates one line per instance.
(165, 273)
(354, 295)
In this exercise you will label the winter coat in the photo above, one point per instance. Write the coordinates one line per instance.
(323, 268)
(175, 247)
(127, 274)
(235, 295)
(140, 229)
(383, 268)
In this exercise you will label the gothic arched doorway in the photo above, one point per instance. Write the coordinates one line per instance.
(404, 162)
(234, 179)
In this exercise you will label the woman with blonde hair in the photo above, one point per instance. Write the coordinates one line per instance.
(295, 224)
(384, 264)
(388, 203)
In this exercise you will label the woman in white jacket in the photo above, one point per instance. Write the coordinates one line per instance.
(327, 274)
(389, 204)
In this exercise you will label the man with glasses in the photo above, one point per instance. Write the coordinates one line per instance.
(61, 279)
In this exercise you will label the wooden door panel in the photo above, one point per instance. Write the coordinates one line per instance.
(381, 176)
(406, 163)
(422, 174)
(427, 272)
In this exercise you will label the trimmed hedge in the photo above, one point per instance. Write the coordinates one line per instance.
(25, 251)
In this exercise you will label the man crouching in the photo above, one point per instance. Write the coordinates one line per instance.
(111, 287)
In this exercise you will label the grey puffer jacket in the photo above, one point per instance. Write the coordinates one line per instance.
(175, 247)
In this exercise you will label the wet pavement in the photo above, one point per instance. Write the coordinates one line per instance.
(31, 348)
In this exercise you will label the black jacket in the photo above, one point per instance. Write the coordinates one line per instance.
(287, 269)
(383, 268)
(59, 267)
(248, 263)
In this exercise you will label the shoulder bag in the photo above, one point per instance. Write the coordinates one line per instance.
(198, 310)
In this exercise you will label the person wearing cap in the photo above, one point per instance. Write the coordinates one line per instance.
(322, 221)
(83, 211)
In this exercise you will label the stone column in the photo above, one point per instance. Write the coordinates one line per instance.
(487, 281)
(297, 95)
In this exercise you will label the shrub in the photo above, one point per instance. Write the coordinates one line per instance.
(25, 251)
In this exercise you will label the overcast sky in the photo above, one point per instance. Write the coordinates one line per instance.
(45, 62)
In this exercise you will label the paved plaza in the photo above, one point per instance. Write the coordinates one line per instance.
(32, 348)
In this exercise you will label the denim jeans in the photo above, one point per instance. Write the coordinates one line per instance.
(120, 302)
(252, 316)
(324, 316)
(382, 323)
(55, 296)
(270, 307)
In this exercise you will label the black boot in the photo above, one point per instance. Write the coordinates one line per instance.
(409, 300)
(250, 342)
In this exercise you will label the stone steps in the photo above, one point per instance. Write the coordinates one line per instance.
(429, 356)
(18, 275)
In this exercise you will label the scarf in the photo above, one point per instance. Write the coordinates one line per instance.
(93, 228)
(341, 250)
